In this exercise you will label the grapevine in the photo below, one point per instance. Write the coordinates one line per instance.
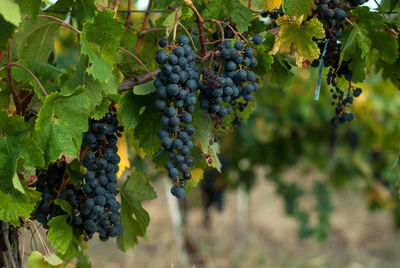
(94, 101)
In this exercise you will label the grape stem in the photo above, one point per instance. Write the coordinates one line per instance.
(176, 24)
(10, 77)
(190, 36)
(200, 23)
(63, 23)
(138, 60)
(349, 21)
(34, 76)
(237, 34)
(144, 26)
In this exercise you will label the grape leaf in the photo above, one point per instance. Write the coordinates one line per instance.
(16, 204)
(99, 68)
(147, 127)
(144, 89)
(86, 9)
(60, 233)
(298, 7)
(134, 218)
(240, 15)
(10, 12)
(30, 7)
(38, 41)
(60, 124)
(129, 111)
(170, 20)
(105, 31)
(99, 40)
(371, 24)
(386, 44)
(15, 143)
(299, 34)
(37, 260)
(6, 30)
(99, 111)
(356, 47)
(43, 71)
(222, 9)
(202, 135)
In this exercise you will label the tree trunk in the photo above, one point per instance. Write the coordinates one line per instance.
(9, 246)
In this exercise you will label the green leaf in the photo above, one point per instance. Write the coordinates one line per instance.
(202, 135)
(99, 68)
(298, 7)
(99, 111)
(65, 205)
(144, 89)
(43, 71)
(38, 41)
(147, 126)
(129, 111)
(6, 30)
(134, 218)
(371, 24)
(99, 40)
(60, 124)
(170, 20)
(60, 233)
(356, 47)
(86, 9)
(16, 204)
(10, 12)
(223, 9)
(96, 91)
(15, 143)
(240, 15)
(30, 7)
(299, 34)
(387, 46)
(37, 260)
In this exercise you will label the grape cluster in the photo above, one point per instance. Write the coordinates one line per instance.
(100, 210)
(48, 184)
(334, 10)
(177, 84)
(227, 81)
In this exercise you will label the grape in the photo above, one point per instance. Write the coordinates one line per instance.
(178, 192)
(163, 42)
(340, 14)
(257, 39)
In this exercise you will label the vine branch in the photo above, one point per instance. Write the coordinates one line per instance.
(144, 26)
(137, 80)
(32, 74)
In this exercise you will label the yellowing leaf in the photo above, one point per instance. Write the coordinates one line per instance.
(296, 36)
(271, 4)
